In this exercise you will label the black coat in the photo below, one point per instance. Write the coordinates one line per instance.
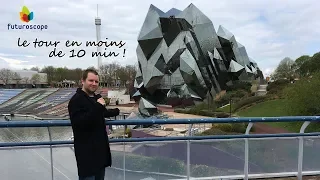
(91, 143)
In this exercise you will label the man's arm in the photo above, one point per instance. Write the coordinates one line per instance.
(80, 115)
(111, 112)
(107, 112)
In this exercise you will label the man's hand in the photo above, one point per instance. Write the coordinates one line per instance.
(101, 101)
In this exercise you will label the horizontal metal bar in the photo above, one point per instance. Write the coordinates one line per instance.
(257, 176)
(51, 146)
(51, 123)
(43, 143)
(178, 138)
(150, 173)
(155, 142)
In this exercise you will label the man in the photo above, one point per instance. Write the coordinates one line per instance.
(91, 144)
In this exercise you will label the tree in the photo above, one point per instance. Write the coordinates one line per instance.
(303, 97)
(16, 77)
(285, 70)
(50, 71)
(25, 80)
(61, 74)
(35, 69)
(123, 75)
(36, 78)
(308, 65)
(131, 70)
(300, 65)
(109, 72)
(6, 75)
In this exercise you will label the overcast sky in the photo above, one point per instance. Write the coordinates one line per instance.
(269, 29)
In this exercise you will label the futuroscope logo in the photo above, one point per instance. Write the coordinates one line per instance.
(26, 16)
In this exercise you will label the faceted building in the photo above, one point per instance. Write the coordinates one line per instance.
(182, 59)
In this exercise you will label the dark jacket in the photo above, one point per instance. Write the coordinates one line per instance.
(91, 143)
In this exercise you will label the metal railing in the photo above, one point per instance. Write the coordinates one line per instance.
(188, 139)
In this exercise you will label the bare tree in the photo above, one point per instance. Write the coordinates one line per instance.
(16, 77)
(6, 75)
(35, 69)
(25, 80)
(36, 78)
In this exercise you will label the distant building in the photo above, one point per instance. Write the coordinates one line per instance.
(26, 79)
(66, 84)
(268, 79)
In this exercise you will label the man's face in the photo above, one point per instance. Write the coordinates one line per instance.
(91, 83)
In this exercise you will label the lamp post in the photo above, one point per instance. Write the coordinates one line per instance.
(230, 106)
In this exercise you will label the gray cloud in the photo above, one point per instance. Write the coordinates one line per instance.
(270, 30)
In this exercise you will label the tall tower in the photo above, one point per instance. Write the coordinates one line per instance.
(98, 25)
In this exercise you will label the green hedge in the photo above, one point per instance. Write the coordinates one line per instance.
(278, 83)
(203, 113)
(231, 127)
(248, 101)
(239, 85)
(277, 87)
(235, 95)
(234, 107)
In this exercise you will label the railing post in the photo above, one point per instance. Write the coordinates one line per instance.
(51, 156)
(246, 152)
(300, 157)
(188, 152)
(124, 156)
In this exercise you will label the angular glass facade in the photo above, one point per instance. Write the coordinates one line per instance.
(183, 59)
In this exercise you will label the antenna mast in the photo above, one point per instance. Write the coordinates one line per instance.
(98, 25)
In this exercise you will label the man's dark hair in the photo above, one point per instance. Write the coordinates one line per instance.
(87, 71)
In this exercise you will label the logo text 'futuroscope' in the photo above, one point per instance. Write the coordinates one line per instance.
(26, 16)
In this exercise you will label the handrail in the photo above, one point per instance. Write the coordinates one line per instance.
(174, 138)
(51, 123)
(190, 121)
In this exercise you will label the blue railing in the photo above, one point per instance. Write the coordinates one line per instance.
(58, 123)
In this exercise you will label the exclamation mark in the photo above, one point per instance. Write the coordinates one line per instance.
(124, 52)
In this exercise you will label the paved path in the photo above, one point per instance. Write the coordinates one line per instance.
(262, 90)
(263, 128)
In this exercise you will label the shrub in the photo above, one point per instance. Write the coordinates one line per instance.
(168, 129)
(226, 127)
(225, 99)
(222, 114)
(211, 131)
(277, 87)
(107, 100)
(231, 127)
(240, 85)
(247, 101)
(235, 96)
(239, 94)
(128, 132)
(303, 97)
(239, 127)
(207, 113)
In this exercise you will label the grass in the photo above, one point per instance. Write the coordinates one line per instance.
(273, 108)
(265, 109)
